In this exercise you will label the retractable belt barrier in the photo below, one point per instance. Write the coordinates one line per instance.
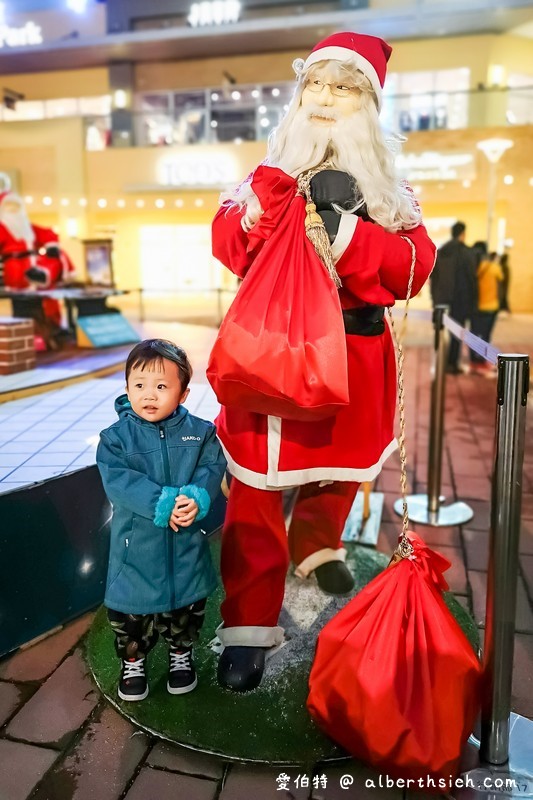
(502, 733)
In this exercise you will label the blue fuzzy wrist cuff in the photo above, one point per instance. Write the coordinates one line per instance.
(200, 495)
(165, 506)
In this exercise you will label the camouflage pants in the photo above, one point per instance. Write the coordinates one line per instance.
(136, 634)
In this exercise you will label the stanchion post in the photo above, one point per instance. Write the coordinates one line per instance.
(426, 508)
(513, 385)
(436, 416)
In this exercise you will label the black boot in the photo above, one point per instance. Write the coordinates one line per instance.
(241, 668)
(334, 577)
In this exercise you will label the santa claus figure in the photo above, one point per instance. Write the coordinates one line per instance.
(377, 242)
(30, 256)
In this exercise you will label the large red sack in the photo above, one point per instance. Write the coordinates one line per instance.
(281, 349)
(395, 680)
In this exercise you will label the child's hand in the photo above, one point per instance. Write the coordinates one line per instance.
(184, 513)
(172, 524)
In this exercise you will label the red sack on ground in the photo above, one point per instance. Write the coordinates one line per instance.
(281, 349)
(395, 680)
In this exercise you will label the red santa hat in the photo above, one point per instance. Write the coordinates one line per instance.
(369, 54)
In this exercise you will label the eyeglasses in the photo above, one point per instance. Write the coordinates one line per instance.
(337, 89)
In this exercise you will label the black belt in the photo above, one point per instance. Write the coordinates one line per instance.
(364, 321)
(20, 254)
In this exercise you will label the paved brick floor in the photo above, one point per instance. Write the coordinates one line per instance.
(60, 741)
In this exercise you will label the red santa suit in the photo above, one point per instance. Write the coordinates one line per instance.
(327, 458)
(19, 253)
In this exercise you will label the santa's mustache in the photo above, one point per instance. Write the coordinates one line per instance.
(309, 111)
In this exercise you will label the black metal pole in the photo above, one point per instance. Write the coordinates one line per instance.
(513, 386)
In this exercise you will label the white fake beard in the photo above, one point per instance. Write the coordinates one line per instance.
(347, 143)
(18, 225)
(352, 144)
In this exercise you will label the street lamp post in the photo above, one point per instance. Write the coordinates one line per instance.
(493, 149)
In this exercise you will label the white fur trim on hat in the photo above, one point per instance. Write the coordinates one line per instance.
(344, 54)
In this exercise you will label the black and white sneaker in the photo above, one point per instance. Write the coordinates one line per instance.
(133, 684)
(181, 673)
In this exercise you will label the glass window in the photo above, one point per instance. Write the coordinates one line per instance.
(228, 125)
(190, 127)
(426, 100)
(183, 101)
(154, 102)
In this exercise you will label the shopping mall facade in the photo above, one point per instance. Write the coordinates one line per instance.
(129, 126)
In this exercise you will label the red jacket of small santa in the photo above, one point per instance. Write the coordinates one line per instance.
(15, 268)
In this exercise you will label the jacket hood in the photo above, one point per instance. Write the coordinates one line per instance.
(123, 406)
(124, 409)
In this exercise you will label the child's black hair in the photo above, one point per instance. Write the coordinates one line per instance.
(152, 351)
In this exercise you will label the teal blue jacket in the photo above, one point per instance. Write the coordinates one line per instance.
(144, 466)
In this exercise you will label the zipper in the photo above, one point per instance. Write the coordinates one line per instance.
(170, 537)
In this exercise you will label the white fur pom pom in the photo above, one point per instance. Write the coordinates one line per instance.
(298, 66)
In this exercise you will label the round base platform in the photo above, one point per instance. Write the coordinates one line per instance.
(269, 725)
(455, 514)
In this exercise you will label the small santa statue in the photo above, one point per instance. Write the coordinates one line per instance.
(377, 243)
(30, 256)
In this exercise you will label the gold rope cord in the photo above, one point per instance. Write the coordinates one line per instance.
(405, 548)
(315, 229)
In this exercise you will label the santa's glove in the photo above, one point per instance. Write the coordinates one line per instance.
(331, 187)
(331, 220)
(53, 250)
(36, 275)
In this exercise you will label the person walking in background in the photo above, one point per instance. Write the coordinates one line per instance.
(489, 278)
(453, 284)
(504, 284)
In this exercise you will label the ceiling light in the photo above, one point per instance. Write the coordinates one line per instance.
(79, 6)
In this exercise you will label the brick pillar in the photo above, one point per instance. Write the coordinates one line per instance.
(17, 350)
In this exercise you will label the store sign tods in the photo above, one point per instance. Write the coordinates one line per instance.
(29, 34)
(434, 166)
(208, 170)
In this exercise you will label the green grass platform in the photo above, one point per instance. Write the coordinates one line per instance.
(270, 724)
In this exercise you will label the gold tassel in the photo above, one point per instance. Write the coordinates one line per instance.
(315, 229)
